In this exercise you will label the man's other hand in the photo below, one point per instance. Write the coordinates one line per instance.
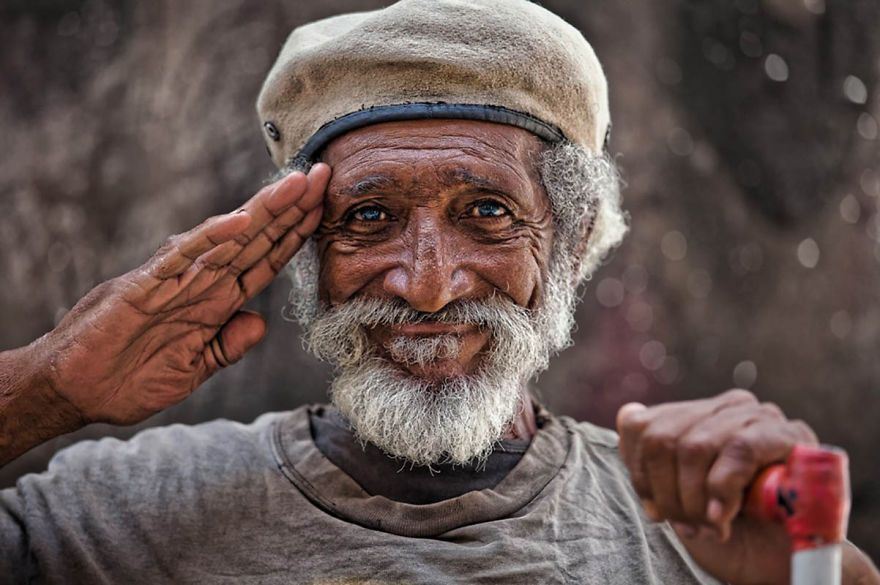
(691, 463)
(144, 341)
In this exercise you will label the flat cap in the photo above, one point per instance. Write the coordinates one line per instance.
(505, 61)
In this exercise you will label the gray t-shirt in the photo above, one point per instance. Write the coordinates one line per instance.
(381, 475)
(224, 502)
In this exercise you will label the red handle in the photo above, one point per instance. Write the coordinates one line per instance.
(809, 494)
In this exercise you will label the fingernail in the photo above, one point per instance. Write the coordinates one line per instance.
(715, 510)
(685, 530)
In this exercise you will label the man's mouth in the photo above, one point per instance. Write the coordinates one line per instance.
(432, 350)
(427, 328)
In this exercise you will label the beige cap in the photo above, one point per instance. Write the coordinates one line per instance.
(506, 61)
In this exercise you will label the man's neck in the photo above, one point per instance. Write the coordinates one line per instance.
(524, 426)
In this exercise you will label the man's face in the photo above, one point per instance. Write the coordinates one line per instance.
(441, 281)
(428, 213)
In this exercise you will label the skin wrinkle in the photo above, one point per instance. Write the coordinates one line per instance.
(414, 395)
(490, 156)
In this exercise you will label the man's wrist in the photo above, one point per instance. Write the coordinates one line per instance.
(31, 411)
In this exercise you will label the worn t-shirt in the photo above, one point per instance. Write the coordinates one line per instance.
(393, 478)
(224, 502)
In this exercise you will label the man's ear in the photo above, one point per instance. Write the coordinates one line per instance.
(580, 250)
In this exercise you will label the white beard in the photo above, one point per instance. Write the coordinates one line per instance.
(456, 420)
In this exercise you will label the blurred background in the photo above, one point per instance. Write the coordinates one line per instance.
(748, 135)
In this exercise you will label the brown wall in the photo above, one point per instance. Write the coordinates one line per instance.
(124, 122)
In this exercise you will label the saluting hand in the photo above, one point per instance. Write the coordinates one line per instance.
(145, 340)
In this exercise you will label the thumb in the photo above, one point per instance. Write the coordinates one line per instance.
(625, 413)
(630, 425)
(242, 332)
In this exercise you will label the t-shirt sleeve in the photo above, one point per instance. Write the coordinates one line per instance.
(13, 537)
(61, 517)
(109, 506)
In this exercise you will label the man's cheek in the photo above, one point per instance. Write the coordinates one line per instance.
(347, 272)
(518, 274)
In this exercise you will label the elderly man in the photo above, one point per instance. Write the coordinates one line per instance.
(437, 269)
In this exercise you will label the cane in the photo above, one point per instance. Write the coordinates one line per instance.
(810, 495)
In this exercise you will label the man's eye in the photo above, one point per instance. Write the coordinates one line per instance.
(369, 213)
(488, 209)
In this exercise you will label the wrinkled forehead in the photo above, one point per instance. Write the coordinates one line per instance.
(455, 148)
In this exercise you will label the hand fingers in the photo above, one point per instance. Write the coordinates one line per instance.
(179, 252)
(265, 240)
(660, 444)
(263, 209)
(211, 246)
(242, 332)
(182, 251)
(281, 198)
(699, 447)
(271, 201)
(293, 190)
(260, 275)
(658, 459)
(742, 456)
(649, 446)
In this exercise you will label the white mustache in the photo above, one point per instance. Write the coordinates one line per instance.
(338, 334)
(370, 312)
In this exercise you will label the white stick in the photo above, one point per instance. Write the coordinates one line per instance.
(817, 566)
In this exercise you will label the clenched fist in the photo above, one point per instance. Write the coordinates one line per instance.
(691, 463)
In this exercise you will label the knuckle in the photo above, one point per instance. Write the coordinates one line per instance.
(740, 449)
(243, 239)
(276, 264)
(104, 289)
(804, 431)
(694, 448)
(660, 441)
(739, 395)
(772, 410)
(170, 242)
(725, 482)
(233, 269)
(635, 420)
(208, 264)
(114, 287)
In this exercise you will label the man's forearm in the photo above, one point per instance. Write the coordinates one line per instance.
(30, 411)
(857, 567)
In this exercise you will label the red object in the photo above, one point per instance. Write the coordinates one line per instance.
(809, 494)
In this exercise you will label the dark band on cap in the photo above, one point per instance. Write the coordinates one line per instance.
(420, 111)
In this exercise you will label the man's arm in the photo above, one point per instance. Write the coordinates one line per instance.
(144, 341)
(30, 411)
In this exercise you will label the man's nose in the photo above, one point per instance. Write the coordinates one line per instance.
(429, 273)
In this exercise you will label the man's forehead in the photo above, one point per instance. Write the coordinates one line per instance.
(450, 176)
(463, 151)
